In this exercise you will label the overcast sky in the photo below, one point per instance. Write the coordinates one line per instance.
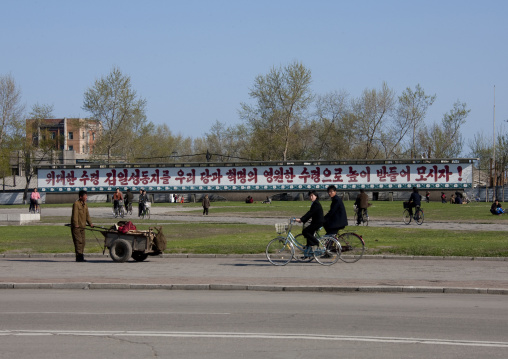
(194, 61)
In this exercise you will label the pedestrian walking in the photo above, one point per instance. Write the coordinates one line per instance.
(206, 204)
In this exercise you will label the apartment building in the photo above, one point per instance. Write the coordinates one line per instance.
(67, 134)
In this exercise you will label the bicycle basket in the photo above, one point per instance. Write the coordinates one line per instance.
(281, 227)
(148, 204)
(405, 204)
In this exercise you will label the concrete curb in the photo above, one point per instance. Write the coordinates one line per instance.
(191, 255)
(266, 288)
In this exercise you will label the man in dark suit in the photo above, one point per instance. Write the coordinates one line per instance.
(336, 217)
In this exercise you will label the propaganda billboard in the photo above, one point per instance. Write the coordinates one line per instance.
(259, 178)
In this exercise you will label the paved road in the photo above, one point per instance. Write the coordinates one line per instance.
(221, 324)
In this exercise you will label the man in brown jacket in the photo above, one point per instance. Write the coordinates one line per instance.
(361, 203)
(80, 217)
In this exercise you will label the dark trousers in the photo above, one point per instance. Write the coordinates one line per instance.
(308, 233)
(141, 207)
(78, 237)
(361, 213)
(410, 209)
(205, 211)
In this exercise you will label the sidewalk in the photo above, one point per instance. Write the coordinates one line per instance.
(254, 272)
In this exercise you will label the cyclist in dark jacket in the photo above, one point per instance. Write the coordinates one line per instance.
(128, 199)
(415, 201)
(315, 213)
(336, 218)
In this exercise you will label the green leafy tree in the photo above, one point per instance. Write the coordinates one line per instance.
(37, 144)
(445, 140)
(112, 101)
(372, 111)
(282, 99)
(412, 108)
(11, 120)
(331, 132)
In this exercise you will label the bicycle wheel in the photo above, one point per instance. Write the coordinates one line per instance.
(299, 255)
(419, 216)
(406, 217)
(328, 251)
(147, 214)
(279, 251)
(115, 212)
(122, 211)
(352, 247)
(365, 218)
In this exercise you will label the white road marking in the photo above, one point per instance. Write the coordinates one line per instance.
(115, 313)
(227, 335)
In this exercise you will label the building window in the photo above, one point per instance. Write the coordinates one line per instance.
(53, 135)
(82, 149)
(93, 136)
(71, 148)
(71, 136)
(83, 136)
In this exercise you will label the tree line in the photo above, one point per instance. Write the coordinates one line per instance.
(284, 120)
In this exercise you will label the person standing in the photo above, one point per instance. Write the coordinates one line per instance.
(34, 200)
(361, 203)
(206, 204)
(141, 203)
(336, 218)
(117, 199)
(79, 218)
(315, 214)
(128, 200)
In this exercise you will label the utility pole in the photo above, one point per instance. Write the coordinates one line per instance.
(494, 179)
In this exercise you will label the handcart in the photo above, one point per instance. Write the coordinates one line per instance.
(138, 244)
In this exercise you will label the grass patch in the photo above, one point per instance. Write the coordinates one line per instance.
(250, 239)
(51, 237)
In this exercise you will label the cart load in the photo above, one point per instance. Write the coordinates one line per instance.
(124, 241)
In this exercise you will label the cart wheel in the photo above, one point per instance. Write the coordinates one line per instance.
(139, 256)
(120, 250)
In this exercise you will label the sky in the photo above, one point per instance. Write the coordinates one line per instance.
(195, 61)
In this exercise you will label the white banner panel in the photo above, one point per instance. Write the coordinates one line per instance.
(254, 178)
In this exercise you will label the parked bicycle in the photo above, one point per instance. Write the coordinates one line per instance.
(282, 249)
(417, 216)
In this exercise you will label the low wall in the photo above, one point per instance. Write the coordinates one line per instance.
(20, 218)
(163, 197)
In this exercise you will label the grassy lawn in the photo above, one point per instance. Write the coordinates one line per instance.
(49, 237)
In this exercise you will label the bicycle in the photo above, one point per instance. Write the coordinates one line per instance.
(35, 207)
(146, 211)
(119, 211)
(281, 250)
(365, 217)
(128, 208)
(352, 246)
(418, 216)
